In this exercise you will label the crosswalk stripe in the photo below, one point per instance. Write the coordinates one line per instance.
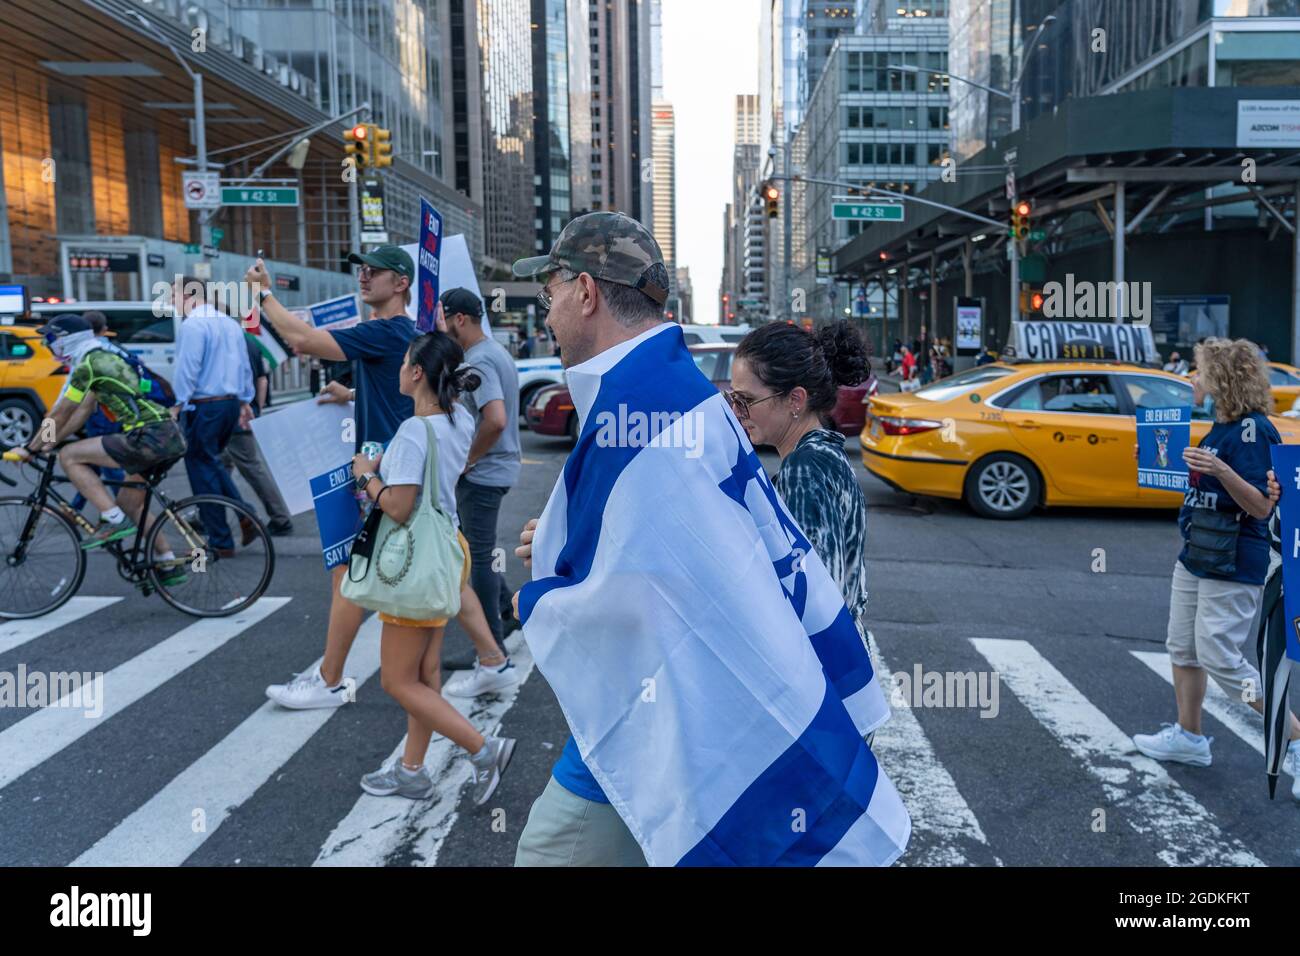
(45, 732)
(1151, 800)
(379, 828)
(928, 790)
(1236, 715)
(161, 832)
(16, 633)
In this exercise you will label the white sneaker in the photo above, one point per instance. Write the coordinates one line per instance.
(1173, 744)
(308, 691)
(482, 680)
(1291, 765)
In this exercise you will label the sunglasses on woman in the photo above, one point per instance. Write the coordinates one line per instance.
(741, 406)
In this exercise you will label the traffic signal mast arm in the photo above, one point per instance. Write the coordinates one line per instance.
(877, 191)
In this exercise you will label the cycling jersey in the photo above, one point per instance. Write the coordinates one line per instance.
(116, 387)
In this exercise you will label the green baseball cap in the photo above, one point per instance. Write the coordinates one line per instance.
(606, 245)
(387, 257)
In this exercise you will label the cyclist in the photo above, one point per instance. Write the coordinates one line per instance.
(101, 377)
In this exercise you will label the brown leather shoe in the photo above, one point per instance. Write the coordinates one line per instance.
(224, 552)
(248, 529)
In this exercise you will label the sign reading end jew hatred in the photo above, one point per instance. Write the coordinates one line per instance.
(1050, 341)
(427, 268)
(1162, 434)
(1286, 466)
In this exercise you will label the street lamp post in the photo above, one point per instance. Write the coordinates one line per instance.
(200, 124)
(1013, 248)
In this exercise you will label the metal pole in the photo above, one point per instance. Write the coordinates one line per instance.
(302, 220)
(201, 151)
(1295, 282)
(934, 300)
(1013, 259)
(785, 282)
(354, 212)
(1120, 305)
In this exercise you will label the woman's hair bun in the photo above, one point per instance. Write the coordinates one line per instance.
(845, 353)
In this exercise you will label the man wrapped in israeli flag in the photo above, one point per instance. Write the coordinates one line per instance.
(715, 684)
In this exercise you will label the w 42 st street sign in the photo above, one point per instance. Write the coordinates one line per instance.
(872, 211)
(259, 195)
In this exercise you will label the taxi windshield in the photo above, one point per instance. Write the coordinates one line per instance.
(962, 382)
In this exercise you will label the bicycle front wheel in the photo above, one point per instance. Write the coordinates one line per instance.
(209, 556)
(41, 561)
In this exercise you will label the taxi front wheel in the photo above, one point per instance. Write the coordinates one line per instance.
(1003, 486)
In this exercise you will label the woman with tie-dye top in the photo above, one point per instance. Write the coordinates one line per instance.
(784, 385)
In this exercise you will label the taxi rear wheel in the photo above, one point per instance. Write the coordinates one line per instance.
(1003, 486)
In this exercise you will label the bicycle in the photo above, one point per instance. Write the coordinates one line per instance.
(44, 563)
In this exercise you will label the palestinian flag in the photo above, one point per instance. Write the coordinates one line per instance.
(268, 343)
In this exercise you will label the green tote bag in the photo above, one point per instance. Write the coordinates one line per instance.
(415, 568)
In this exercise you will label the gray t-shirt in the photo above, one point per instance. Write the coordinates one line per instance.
(498, 468)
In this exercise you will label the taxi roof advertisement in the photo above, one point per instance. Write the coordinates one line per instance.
(1052, 341)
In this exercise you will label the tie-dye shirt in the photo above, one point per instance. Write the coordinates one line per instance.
(817, 484)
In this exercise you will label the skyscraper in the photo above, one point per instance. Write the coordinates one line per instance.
(745, 225)
(506, 66)
(664, 226)
(552, 135)
(621, 66)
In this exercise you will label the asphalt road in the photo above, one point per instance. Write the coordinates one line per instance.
(189, 763)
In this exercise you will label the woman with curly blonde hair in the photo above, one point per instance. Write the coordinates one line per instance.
(1219, 577)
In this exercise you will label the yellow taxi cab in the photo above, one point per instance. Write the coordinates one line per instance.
(1285, 382)
(1008, 438)
(30, 381)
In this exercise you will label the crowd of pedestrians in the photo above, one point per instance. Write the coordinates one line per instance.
(436, 428)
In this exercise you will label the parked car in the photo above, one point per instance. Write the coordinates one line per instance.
(536, 374)
(30, 381)
(849, 415)
(713, 334)
(551, 410)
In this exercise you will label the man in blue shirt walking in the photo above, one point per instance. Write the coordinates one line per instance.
(213, 385)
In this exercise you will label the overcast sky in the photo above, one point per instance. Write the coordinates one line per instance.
(710, 54)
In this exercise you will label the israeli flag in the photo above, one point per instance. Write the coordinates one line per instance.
(714, 681)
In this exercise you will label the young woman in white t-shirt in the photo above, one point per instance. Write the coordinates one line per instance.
(410, 651)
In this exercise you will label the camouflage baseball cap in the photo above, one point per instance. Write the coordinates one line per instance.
(606, 245)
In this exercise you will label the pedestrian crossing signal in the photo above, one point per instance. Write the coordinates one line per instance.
(1031, 300)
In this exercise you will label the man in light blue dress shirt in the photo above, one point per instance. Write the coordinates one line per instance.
(214, 386)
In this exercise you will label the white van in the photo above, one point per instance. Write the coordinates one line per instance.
(136, 327)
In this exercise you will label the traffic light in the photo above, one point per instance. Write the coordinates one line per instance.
(381, 147)
(1020, 213)
(357, 140)
(772, 196)
(1031, 300)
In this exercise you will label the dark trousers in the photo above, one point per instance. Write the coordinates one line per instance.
(478, 507)
(208, 429)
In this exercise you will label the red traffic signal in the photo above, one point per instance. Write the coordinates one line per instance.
(773, 197)
(1020, 213)
(359, 132)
